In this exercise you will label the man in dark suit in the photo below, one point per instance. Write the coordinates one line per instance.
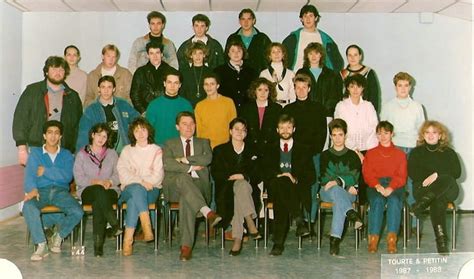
(288, 174)
(186, 160)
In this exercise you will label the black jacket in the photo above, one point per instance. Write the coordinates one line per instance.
(31, 113)
(145, 87)
(191, 77)
(214, 58)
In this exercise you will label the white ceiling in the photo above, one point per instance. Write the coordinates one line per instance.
(454, 8)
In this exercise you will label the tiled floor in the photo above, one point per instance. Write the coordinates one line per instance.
(212, 262)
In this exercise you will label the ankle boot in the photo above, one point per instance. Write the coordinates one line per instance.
(392, 243)
(334, 245)
(146, 226)
(98, 245)
(128, 241)
(418, 208)
(373, 243)
(441, 240)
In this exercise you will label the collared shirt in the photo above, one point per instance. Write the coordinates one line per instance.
(191, 143)
(52, 156)
(203, 39)
(289, 142)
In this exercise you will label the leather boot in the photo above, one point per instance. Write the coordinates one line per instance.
(373, 243)
(146, 226)
(98, 245)
(334, 245)
(418, 208)
(128, 241)
(441, 240)
(392, 243)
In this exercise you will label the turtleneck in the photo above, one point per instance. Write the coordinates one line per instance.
(171, 97)
(338, 152)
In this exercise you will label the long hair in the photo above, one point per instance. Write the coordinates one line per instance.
(444, 140)
(143, 123)
(252, 91)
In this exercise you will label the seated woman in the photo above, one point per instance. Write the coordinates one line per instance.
(96, 177)
(107, 108)
(340, 170)
(434, 168)
(233, 170)
(385, 172)
(140, 169)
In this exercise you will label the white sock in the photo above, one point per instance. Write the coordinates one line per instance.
(205, 210)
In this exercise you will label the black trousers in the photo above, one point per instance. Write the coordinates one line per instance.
(102, 211)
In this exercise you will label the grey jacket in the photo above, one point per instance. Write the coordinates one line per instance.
(138, 56)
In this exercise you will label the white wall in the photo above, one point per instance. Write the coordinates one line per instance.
(438, 55)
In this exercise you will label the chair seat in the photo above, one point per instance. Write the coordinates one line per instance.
(88, 207)
(326, 205)
(50, 209)
(174, 205)
(151, 206)
(451, 206)
(270, 205)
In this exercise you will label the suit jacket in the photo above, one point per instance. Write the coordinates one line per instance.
(202, 157)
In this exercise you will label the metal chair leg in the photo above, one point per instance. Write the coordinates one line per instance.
(265, 227)
(156, 227)
(319, 227)
(417, 233)
(453, 229)
(222, 238)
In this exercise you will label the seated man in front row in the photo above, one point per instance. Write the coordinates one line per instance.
(47, 176)
(288, 174)
(186, 160)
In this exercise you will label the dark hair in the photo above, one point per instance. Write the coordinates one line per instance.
(53, 123)
(173, 72)
(106, 78)
(113, 48)
(185, 114)
(285, 118)
(155, 14)
(309, 9)
(385, 125)
(247, 11)
(74, 47)
(154, 44)
(361, 52)
(314, 47)
(203, 18)
(237, 120)
(98, 128)
(337, 123)
(252, 91)
(237, 43)
(196, 46)
(141, 122)
(212, 75)
(356, 79)
(56, 62)
(268, 52)
(301, 77)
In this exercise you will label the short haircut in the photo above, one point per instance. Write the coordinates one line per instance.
(361, 52)
(283, 50)
(143, 123)
(252, 91)
(356, 79)
(155, 45)
(285, 118)
(239, 44)
(98, 128)
(74, 47)
(247, 11)
(212, 75)
(111, 47)
(403, 76)
(202, 18)
(384, 125)
(173, 72)
(444, 140)
(302, 78)
(53, 123)
(310, 9)
(196, 46)
(56, 62)
(237, 120)
(110, 79)
(314, 47)
(155, 14)
(337, 123)
(185, 114)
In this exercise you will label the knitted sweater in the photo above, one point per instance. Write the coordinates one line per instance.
(344, 164)
(77, 80)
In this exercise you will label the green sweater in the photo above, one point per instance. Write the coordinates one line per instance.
(341, 165)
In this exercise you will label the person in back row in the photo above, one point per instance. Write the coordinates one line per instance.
(77, 78)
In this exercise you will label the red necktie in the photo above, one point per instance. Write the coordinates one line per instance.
(188, 148)
(285, 147)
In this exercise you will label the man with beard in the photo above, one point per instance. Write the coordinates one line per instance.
(288, 174)
(49, 99)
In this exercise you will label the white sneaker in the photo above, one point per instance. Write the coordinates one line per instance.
(56, 241)
(40, 253)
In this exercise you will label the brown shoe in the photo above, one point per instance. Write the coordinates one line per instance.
(186, 253)
(146, 226)
(128, 241)
(373, 243)
(213, 219)
(391, 243)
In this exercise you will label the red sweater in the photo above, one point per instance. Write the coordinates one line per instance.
(382, 162)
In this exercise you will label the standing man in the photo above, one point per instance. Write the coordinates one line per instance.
(255, 42)
(215, 53)
(288, 172)
(46, 100)
(162, 112)
(47, 177)
(77, 78)
(138, 54)
(109, 67)
(147, 82)
(186, 160)
(297, 41)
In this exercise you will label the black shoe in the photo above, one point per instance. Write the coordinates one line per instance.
(441, 240)
(255, 236)
(354, 217)
(116, 230)
(235, 253)
(418, 207)
(302, 230)
(334, 245)
(277, 250)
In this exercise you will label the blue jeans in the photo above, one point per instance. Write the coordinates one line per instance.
(409, 186)
(377, 203)
(342, 202)
(137, 199)
(57, 196)
(314, 191)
